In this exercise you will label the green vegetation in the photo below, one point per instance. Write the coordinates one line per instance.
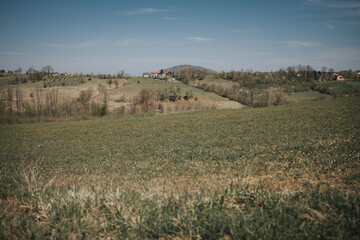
(287, 172)
(53, 81)
(263, 89)
(299, 97)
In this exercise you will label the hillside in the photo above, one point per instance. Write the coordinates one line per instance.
(288, 172)
(179, 67)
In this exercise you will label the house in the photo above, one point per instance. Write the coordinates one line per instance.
(146, 75)
(338, 77)
(155, 74)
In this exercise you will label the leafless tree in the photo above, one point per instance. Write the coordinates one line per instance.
(145, 98)
(121, 73)
(110, 82)
(31, 70)
(116, 82)
(19, 101)
(19, 70)
(10, 95)
(47, 69)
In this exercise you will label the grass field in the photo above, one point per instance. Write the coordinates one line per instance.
(306, 96)
(288, 172)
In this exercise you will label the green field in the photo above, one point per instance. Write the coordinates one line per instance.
(288, 172)
(306, 96)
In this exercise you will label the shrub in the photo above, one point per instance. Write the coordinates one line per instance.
(120, 110)
(99, 109)
(146, 99)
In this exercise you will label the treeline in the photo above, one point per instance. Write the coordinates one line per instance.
(251, 97)
(51, 103)
(295, 76)
(261, 89)
(149, 100)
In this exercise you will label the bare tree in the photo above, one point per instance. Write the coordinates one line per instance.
(10, 95)
(121, 73)
(19, 70)
(279, 98)
(101, 88)
(47, 69)
(19, 101)
(145, 98)
(116, 82)
(31, 71)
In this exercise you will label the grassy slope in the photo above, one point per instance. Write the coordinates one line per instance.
(128, 88)
(306, 96)
(284, 172)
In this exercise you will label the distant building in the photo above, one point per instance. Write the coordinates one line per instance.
(155, 74)
(146, 75)
(338, 77)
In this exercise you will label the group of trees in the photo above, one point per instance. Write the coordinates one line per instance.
(52, 103)
(188, 75)
(148, 99)
(39, 75)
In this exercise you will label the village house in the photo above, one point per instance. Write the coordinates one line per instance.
(338, 77)
(155, 74)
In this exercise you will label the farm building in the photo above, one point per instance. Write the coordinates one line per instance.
(338, 77)
(155, 74)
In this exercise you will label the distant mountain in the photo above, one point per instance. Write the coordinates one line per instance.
(179, 67)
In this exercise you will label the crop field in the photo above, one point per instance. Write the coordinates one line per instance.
(287, 172)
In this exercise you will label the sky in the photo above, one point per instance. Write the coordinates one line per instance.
(106, 36)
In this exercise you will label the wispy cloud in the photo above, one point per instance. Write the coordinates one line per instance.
(146, 11)
(13, 53)
(303, 44)
(313, 1)
(174, 18)
(86, 44)
(130, 41)
(247, 30)
(344, 4)
(198, 39)
(330, 26)
(348, 7)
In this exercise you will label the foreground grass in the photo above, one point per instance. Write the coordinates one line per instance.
(285, 172)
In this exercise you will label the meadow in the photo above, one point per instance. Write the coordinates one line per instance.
(286, 172)
(84, 97)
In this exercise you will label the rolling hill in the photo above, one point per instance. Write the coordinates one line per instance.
(179, 67)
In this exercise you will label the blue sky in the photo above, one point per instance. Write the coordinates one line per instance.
(106, 36)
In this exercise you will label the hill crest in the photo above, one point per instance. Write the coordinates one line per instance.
(184, 66)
